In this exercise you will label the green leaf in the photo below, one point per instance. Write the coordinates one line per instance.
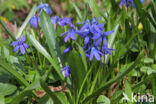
(21, 97)
(53, 96)
(83, 55)
(27, 92)
(103, 100)
(46, 100)
(50, 35)
(7, 89)
(80, 92)
(77, 69)
(148, 60)
(2, 100)
(42, 50)
(31, 13)
(128, 90)
(7, 67)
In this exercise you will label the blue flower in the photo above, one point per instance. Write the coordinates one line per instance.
(34, 21)
(65, 21)
(55, 19)
(19, 44)
(69, 34)
(128, 2)
(45, 7)
(95, 53)
(91, 27)
(66, 71)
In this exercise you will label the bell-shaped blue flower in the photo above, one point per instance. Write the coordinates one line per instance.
(34, 21)
(66, 71)
(65, 21)
(19, 44)
(45, 7)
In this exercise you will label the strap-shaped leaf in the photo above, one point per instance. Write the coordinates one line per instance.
(50, 35)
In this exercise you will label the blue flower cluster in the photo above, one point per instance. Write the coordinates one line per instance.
(95, 41)
(128, 2)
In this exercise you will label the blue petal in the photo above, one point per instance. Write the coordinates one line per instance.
(97, 56)
(47, 10)
(14, 43)
(16, 48)
(42, 6)
(133, 5)
(105, 42)
(67, 50)
(91, 56)
(64, 33)
(34, 21)
(65, 71)
(23, 38)
(55, 19)
(86, 40)
(108, 32)
(64, 21)
(142, 1)
(25, 45)
(66, 38)
(98, 41)
(121, 2)
(22, 49)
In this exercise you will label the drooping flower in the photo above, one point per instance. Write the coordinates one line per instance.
(55, 19)
(128, 2)
(45, 7)
(34, 21)
(69, 34)
(95, 53)
(19, 44)
(65, 21)
(66, 71)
